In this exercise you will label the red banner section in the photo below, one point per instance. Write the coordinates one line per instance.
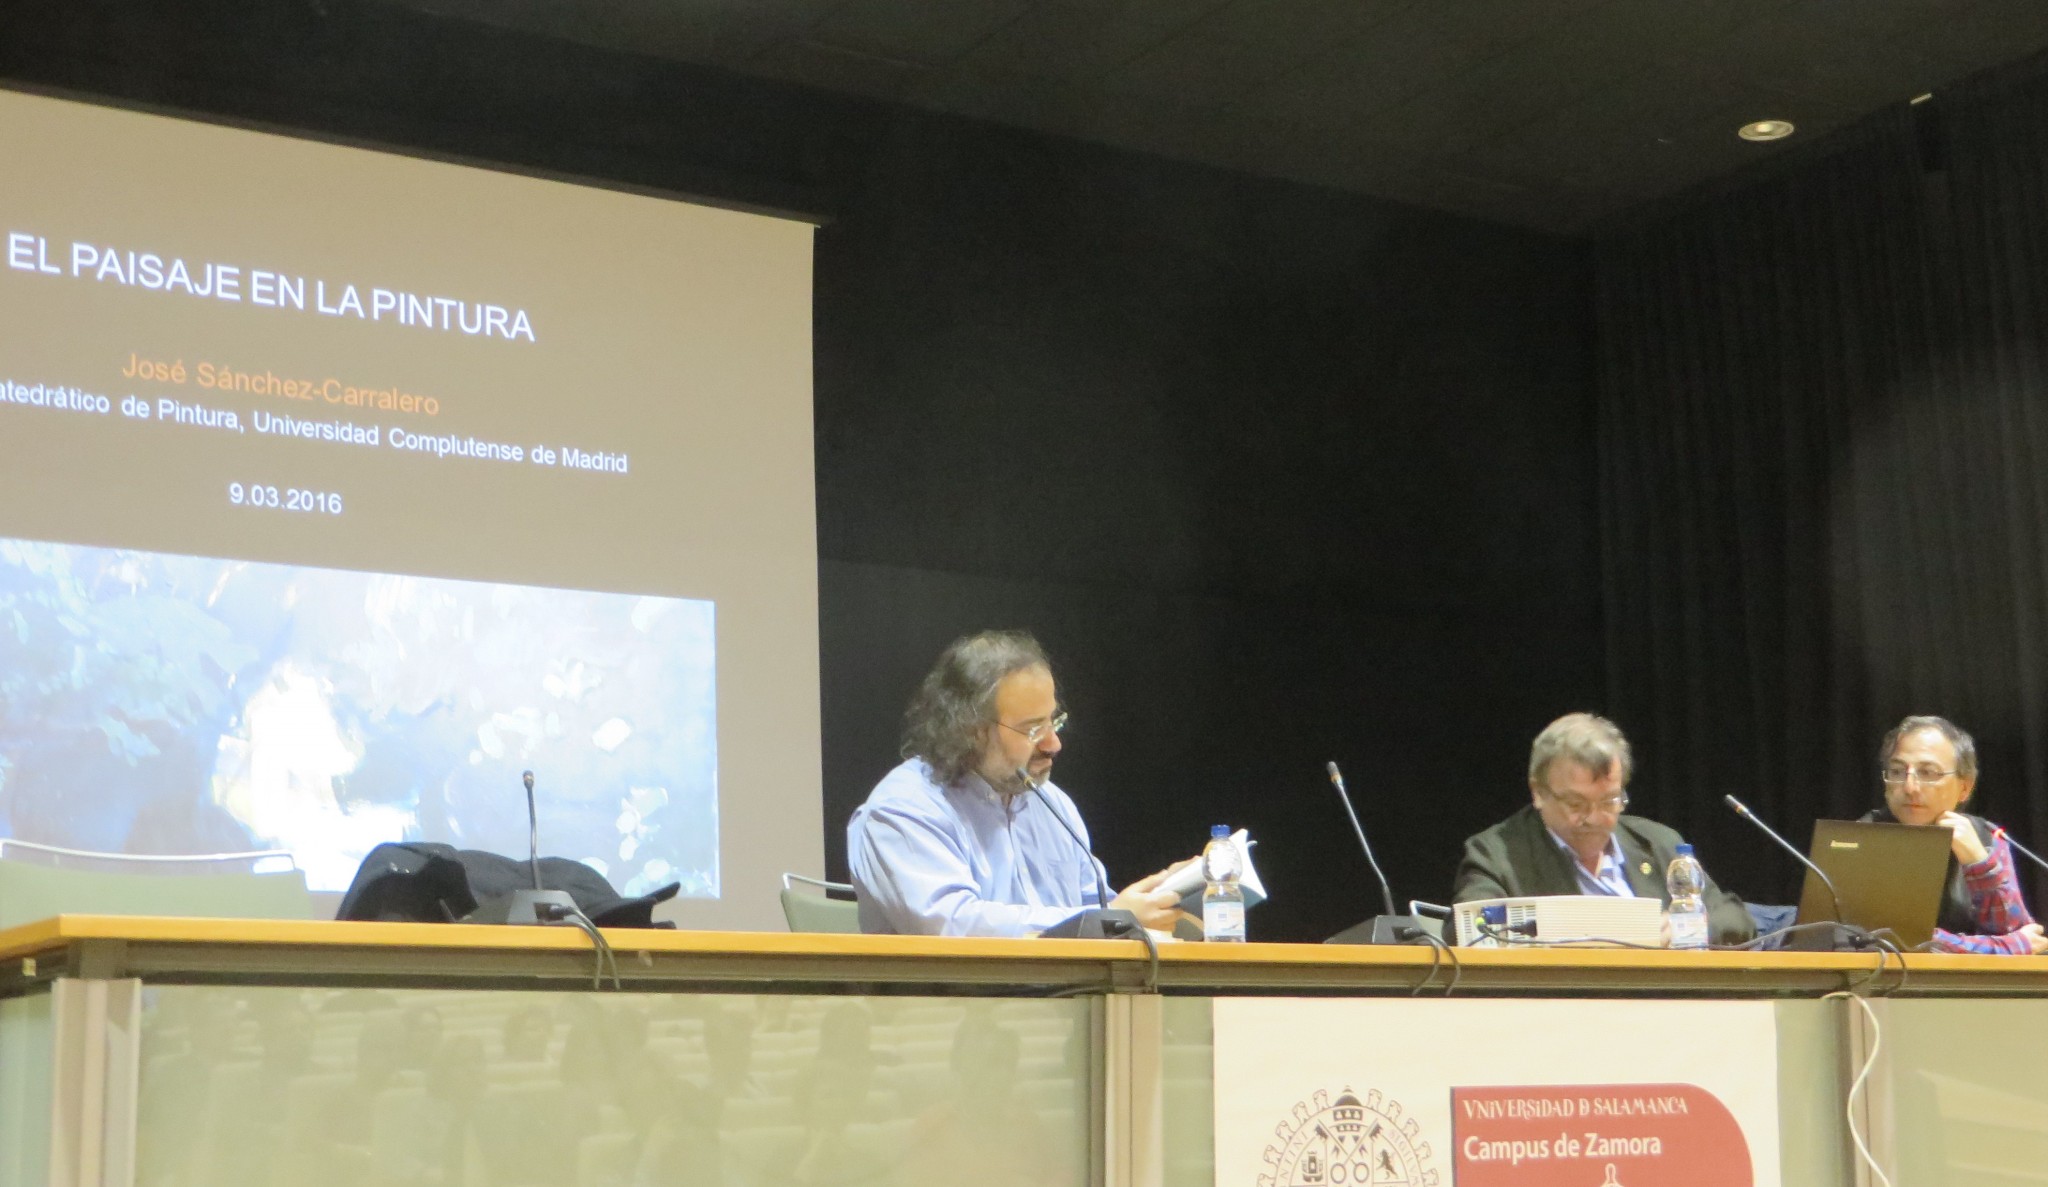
(1596, 1135)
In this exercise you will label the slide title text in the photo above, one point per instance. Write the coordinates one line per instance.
(151, 271)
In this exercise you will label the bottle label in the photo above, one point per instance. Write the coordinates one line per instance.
(1688, 929)
(1223, 920)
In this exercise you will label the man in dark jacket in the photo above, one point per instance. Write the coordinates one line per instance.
(1572, 837)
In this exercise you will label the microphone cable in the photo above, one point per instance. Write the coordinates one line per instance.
(1152, 954)
(1886, 948)
(1864, 938)
(1439, 951)
(1149, 985)
(1508, 937)
(602, 954)
(1862, 1079)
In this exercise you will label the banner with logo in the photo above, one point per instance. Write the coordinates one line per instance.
(1332, 1092)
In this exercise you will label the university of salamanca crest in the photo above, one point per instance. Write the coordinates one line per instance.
(1348, 1143)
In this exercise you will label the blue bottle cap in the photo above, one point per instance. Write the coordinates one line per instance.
(1684, 850)
(1218, 832)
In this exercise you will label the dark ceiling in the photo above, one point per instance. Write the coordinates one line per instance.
(1554, 114)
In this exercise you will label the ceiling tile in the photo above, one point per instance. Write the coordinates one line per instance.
(709, 32)
(1084, 39)
(1834, 54)
(1174, 129)
(1497, 96)
(929, 31)
(1554, 113)
(1241, 138)
(1868, 22)
(1249, 43)
(1971, 36)
(1624, 42)
(1400, 58)
(1643, 109)
(1493, 27)
(1013, 97)
(834, 68)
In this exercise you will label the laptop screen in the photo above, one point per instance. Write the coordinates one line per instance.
(1888, 876)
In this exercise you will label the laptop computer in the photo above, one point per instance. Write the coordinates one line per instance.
(1888, 876)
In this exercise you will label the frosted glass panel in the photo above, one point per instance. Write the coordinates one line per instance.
(478, 1089)
(1969, 1101)
(1813, 1138)
(1189, 1078)
(26, 1036)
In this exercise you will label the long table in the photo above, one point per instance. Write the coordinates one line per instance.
(457, 955)
(186, 1051)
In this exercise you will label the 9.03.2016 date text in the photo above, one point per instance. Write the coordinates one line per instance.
(284, 498)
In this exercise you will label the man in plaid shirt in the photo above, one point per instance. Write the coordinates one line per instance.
(1929, 767)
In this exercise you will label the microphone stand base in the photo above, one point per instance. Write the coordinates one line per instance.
(1105, 923)
(529, 907)
(1840, 937)
(1382, 929)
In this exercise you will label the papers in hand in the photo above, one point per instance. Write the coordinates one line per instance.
(1188, 883)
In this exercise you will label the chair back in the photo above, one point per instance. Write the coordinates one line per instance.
(33, 886)
(252, 861)
(821, 907)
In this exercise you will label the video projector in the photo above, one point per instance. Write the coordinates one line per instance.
(1564, 919)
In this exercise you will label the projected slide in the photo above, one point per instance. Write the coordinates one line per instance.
(337, 488)
(175, 704)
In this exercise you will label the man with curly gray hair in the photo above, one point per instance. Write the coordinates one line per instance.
(968, 836)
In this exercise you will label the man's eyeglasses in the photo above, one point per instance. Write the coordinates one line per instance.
(1574, 805)
(1037, 733)
(1924, 776)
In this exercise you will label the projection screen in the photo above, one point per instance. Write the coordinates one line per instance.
(338, 488)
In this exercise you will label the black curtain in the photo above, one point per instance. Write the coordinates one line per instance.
(1824, 472)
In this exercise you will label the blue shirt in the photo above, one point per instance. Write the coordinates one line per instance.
(963, 861)
(1612, 876)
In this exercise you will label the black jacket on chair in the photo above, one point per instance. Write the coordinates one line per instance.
(424, 882)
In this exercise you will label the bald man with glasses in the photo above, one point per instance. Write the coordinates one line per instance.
(1574, 836)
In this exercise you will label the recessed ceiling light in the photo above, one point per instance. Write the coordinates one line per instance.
(1766, 130)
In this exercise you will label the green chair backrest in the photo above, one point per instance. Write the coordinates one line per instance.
(29, 892)
(808, 911)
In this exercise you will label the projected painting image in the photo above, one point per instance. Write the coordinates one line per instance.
(152, 703)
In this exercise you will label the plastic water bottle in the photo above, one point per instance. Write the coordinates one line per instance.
(1222, 898)
(1686, 883)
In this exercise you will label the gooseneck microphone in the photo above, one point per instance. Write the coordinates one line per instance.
(532, 830)
(1998, 831)
(538, 905)
(1358, 830)
(1392, 927)
(1101, 887)
(1742, 810)
(1102, 921)
(541, 906)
